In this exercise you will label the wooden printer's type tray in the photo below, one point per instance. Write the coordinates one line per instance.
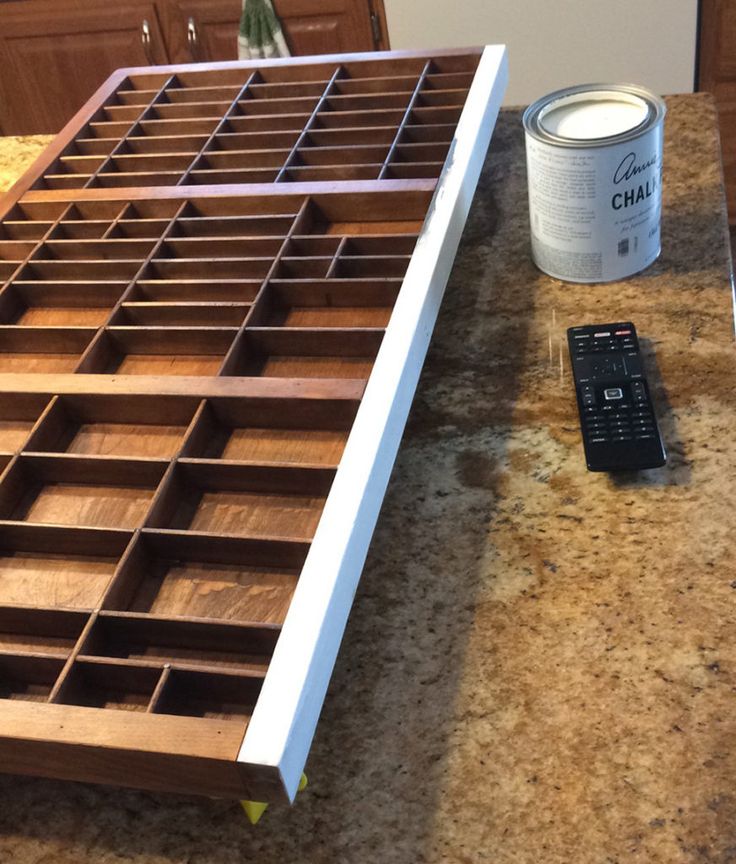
(218, 286)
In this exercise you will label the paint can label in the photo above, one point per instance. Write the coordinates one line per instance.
(595, 211)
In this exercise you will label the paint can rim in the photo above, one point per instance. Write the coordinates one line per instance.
(656, 110)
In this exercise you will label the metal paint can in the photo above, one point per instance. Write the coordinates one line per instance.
(594, 165)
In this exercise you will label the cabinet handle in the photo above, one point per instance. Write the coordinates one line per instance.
(192, 38)
(146, 40)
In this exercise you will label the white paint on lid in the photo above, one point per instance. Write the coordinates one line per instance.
(586, 116)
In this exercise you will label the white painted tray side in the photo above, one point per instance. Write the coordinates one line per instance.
(285, 717)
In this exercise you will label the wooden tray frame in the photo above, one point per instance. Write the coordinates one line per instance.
(211, 756)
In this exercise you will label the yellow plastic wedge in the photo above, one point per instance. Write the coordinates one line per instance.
(255, 809)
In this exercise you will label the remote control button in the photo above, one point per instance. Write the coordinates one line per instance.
(588, 394)
(598, 440)
(607, 367)
(622, 438)
(613, 393)
(632, 362)
(638, 391)
(646, 437)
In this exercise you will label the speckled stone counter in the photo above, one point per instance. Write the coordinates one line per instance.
(540, 666)
(17, 154)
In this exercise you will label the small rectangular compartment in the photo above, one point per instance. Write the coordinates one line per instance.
(81, 491)
(381, 217)
(148, 145)
(174, 574)
(159, 351)
(243, 500)
(236, 267)
(200, 290)
(366, 101)
(20, 223)
(342, 155)
(116, 686)
(276, 431)
(59, 304)
(48, 566)
(326, 173)
(416, 170)
(253, 141)
(42, 349)
(379, 265)
(50, 632)
(366, 120)
(207, 248)
(237, 159)
(115, 249)
(194, 643)
(86, 220)
(431, 133)
(305, 353)
(81, 230)
(334, 303)
(412, 152)
(278, 123)
(356, 137)
(198, 223)
(208, 93)
(29, 679)
(140, 163)
(71, 270)
(184, 314)
(211, 695)
(20, 411)
(126, 426)
(381, 84)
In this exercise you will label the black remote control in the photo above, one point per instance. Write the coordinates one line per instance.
(620, 431)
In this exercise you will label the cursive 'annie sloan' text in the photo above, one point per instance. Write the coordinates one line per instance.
(628, 170)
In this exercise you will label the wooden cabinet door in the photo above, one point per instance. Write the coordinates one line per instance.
(207, 30)
(717, 74)
(55, 54)
(203, 31)
(329, 26)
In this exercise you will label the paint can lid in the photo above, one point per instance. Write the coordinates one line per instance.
(593, 114)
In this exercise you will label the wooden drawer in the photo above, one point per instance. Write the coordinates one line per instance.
(206, 382)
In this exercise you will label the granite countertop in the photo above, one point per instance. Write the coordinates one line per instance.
(17, 154)
(540, 664)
